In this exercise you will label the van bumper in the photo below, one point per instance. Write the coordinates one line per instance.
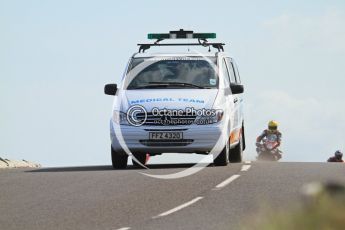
(196, 138)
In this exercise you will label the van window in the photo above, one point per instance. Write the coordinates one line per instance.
(238, 77)
(225, 74)
(231, 71)
(173, 71)
(138, 60)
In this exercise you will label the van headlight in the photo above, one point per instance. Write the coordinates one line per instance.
(216, 116)
(120, 118)
(219, 115)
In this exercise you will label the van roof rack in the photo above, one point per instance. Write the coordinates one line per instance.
(181, 34)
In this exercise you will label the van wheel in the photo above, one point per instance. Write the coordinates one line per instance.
(223, 158)
(142, 158)
(119, 161)
(235, 155)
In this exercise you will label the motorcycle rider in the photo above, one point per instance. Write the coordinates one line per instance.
(272, 130)
(337, 157)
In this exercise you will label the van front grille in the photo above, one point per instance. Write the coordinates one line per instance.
(154, 120)
(164, 143)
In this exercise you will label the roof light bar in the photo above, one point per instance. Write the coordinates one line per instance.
(181, 34)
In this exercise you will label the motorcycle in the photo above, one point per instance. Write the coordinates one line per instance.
(267, 151)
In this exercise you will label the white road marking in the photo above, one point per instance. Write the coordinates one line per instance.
(178, 207)
(247, 162)
(245, 168)
(226, 182)
(124, 228)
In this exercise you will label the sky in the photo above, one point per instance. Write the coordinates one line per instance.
(56, 57)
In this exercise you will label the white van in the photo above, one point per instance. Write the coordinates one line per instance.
(178, 103)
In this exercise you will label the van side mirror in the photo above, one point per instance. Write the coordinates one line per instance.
(236, 89)
(110, 89)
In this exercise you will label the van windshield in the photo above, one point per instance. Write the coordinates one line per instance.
(180, 72)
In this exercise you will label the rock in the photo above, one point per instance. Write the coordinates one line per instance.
(5, 163)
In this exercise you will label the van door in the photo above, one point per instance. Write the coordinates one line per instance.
(229, 96)
(236, 100)
(240, 96)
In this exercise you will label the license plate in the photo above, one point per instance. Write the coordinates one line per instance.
(165, 135)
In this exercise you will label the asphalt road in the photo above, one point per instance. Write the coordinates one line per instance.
(98, 197)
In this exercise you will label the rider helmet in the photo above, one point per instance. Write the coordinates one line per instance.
(272, 125)
(338, 154)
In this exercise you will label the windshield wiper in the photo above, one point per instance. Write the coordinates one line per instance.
(176, 84)
(154, 84)
(150, 86)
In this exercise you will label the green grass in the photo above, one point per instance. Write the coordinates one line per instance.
(321, 213)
